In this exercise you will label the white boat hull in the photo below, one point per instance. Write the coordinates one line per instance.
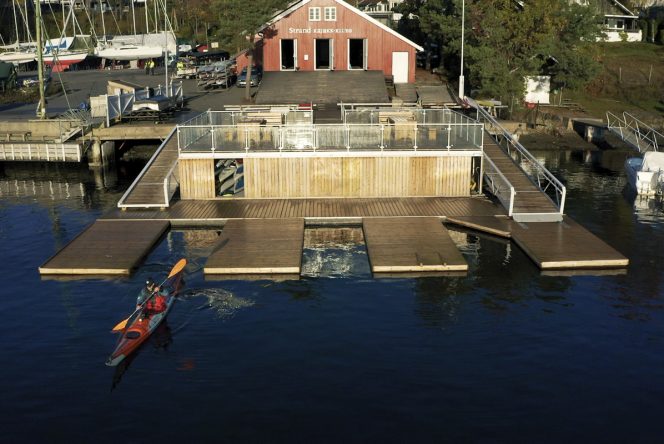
(130, 52)
(646, 175)
(17, 57)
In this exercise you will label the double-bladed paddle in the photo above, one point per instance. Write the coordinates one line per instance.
(176, 269)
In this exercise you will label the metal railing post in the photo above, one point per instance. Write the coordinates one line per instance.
(512, 196)
(415, 144)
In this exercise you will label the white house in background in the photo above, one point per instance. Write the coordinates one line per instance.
(381, 10)
(538, 89)
(619, 22)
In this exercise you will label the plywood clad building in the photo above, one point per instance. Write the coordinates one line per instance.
(333, 35)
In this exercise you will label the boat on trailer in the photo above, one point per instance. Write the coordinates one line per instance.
(646, 174)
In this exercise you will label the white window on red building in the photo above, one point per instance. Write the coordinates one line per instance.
(330, 13)
(314, 14)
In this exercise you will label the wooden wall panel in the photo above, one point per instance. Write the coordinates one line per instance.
(357, 177)
(196, 178)
(349, 25)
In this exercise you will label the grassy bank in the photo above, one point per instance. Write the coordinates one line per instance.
(631, 79)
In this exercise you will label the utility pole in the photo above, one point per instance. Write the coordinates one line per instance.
(41, 107)
(463, 23)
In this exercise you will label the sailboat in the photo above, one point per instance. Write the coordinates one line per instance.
(62, 52)
(138, 46)
(18, 52)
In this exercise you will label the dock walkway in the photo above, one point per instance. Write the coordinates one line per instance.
(264, 236)
(107, 247)
(148, 190)
(551, 245)
(529, 198)
(200, 213)
(258, 246)
(402, 245)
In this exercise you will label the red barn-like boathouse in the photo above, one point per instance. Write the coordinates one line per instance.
(330, 35)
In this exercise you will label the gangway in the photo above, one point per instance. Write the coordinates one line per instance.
(634, 132)
(528, 191)
(158, 181)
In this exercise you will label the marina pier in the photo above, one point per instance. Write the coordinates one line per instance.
(404, 175)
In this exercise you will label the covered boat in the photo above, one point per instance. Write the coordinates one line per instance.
(139, 327)
(646, 175)
(63, 52)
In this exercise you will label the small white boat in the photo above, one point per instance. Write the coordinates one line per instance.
(130, 52)
(18, 57)
(136, 46)
(646, 175)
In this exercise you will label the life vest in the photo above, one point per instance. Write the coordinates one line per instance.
(157, 304)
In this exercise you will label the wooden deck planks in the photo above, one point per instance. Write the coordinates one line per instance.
(564, 245)
(107, 247)
(258, 246)
(150, 189)
(402, 245)
(552, 245)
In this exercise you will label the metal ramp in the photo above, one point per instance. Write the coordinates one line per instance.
(635, 133)
(157, 182)
(528, 191)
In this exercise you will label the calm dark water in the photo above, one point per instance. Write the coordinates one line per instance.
(504, 354)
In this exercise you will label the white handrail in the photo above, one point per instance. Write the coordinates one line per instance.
(126, 194)
(167, 180)
(496, 191)
(551, 180)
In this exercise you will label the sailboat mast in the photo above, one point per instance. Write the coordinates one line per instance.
(147, 25)
(41, 107)
(15, 23)
(73, 21)
(103, 22)
(133, 15)
(27, 36)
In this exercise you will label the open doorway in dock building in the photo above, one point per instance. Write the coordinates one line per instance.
(229, 178)
(288, 54)
(324, 55)
(357, 53)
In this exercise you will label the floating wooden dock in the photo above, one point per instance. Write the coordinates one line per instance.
(265, 236)
(564, 245)
(200, 213)
(561, 245)
(107, 247)
(258, 246)
(402, 245)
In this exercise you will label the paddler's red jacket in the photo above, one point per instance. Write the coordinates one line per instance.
(157, 304)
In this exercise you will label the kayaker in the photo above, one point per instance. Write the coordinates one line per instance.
(150, 287)
(157, 303)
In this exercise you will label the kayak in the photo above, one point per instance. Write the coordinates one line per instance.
(139, 328)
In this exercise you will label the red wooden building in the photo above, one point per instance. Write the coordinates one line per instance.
(332, 35)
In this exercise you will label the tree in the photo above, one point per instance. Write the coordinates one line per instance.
(239, 21)
(506, 40)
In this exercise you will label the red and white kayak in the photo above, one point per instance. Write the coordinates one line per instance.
(139, 329)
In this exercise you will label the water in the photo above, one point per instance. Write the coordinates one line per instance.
(503, 354)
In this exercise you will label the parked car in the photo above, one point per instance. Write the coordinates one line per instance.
(256, 76)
